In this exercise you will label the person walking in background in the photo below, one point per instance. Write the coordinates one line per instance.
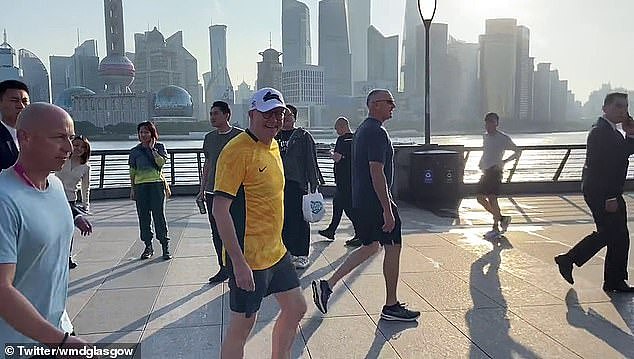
(148, 187)
(375, 210)
(342, 156)
(75, 173)
(215, 141)
(602, 181)
(495, 143)
(301, 173)
(256, 259)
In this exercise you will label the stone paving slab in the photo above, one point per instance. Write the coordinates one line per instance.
(478, 299)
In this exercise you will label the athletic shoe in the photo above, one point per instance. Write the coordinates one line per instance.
(301, 262)
(504, 223)
(328, 234)
(147, 253)
(321, 294)
(398, 312)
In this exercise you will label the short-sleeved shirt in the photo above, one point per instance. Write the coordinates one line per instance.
(143, 166)
(371, 144)
(257, 168)
(494, 146)
(343, 168)
(35, 232)
(212, 146)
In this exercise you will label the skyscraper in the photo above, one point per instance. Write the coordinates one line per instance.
(542, 93)
(80, 69)
(9, 69)
(116, 69)
(269, 70)
(409, 54)
(334, 48)
(161, 62)
(358, 22)
(382, 60)
(524, 92)
(498, 67)
(218, 83)
(465, 89)
(35, 76)
(295, 33)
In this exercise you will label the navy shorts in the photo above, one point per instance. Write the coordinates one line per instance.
(281, 277)
(370, 227)
(490, 181)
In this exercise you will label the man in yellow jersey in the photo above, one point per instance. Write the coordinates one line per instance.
(250, 169)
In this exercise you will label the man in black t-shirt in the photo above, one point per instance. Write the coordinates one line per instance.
(342, 156)
(375, 210)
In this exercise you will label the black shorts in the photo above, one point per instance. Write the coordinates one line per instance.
(490, 181)
(370, 226)
(276, 279)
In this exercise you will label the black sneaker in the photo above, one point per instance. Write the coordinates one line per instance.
(398, 312)
(71, 263)
(354, 242)
(219, 277)
(147, 253)
(166, 252)
(321, 294)
(328, 234)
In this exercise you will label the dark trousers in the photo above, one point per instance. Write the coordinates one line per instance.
(296, 231)
(611, 232)
(238, 215)
(150, 205)
(340, 203)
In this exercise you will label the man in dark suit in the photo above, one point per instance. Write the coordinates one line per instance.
(603, 178)
(14, 97)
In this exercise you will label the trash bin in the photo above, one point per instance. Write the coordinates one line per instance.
(436, 178)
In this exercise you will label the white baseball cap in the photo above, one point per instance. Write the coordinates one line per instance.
(266, 99)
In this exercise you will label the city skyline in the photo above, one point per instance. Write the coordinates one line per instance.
(557, 34)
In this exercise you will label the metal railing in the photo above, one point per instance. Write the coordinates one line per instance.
(537, 165)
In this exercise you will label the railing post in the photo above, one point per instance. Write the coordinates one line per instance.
(172, 169)
(561, 166)
(102, 170)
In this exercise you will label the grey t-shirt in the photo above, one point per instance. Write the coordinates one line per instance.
(494, 146)
(212, 146)
(35, 232)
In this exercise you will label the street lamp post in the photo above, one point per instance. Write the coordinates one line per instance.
(427, 10)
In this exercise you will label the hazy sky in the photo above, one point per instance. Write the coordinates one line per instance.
(590, 42)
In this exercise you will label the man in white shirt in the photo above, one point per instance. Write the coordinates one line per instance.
(495, 143)
(14, 97)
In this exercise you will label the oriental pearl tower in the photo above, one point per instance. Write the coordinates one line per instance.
(116, 69)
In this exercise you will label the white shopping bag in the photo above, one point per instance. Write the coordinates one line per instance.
(313, 207)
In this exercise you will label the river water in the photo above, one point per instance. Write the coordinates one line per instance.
(523, 139)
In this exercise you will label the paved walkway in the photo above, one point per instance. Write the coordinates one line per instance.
(479, 300)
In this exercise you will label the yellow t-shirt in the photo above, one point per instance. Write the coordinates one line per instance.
(257, 168)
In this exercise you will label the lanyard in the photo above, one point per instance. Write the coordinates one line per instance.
(22, 173)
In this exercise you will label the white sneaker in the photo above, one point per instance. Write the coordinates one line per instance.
(301, 262)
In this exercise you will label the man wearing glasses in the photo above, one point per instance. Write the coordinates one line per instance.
(257, 262)
(377, 215)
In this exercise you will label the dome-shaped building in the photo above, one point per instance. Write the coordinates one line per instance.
(173, 101)
(65, 99)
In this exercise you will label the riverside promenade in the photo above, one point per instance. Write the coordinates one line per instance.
(478, 299)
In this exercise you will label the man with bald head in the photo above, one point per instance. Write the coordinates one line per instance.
(374, 208)
(36, 227)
